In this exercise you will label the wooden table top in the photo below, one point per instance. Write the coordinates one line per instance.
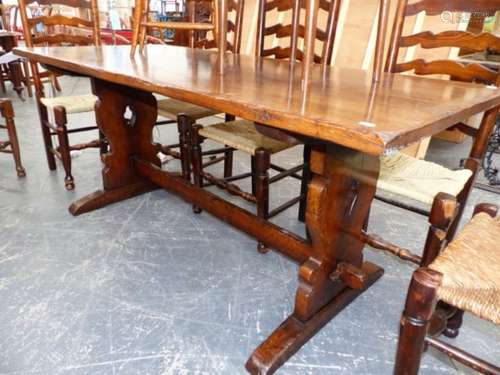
(339, 105)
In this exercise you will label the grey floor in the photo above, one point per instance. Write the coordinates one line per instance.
(147, 287)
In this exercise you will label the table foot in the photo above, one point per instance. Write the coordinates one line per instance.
(289, 337)
(101, 198)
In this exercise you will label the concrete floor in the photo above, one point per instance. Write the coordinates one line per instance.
(147, 287)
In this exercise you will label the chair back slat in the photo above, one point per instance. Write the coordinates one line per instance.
(457, 71)
(58, 29)
(296, 30)
(59, 19)
(83, 4)
(436, 7)
(62, 39)
(460, 39)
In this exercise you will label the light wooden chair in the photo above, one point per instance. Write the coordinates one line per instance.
(59, 29)
(11, 146)
(244, 135)
(141, 23)
(415, 184)
(465, 276)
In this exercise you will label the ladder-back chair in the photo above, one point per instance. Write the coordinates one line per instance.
(415, 184)
(244, 135)
(59, 29)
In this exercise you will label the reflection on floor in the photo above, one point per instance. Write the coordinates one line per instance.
(147, 287)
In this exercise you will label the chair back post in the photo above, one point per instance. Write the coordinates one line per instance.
(221, 32)
(486, 127)
(312, 9)
(238, 25)
(25, 22)
(261, 25)
(191, 11)
(397, 32)
(294, 37)
(383, 19)
(94, 14)
(331, 31)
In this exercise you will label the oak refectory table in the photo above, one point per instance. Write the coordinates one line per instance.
(348, 121)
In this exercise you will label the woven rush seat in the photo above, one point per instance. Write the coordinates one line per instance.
(470, 265)
(171, 108)
(244, 136)
(72, 104)
(419, 180)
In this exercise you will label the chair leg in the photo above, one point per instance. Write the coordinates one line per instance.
(27, 78)
(47, 138)
(8, 114)
(228, 162)
(261, 172)
(196, 160)
(2, 78)
(64, 149)
(254, 175)
(184, 126)
(228, 154)
(55, 83)
(420, 304)
(306, 177)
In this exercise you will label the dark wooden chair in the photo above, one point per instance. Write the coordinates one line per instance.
(465, 276)
(245, 136)
(62, 30)
(12, 145)
(415, 184)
